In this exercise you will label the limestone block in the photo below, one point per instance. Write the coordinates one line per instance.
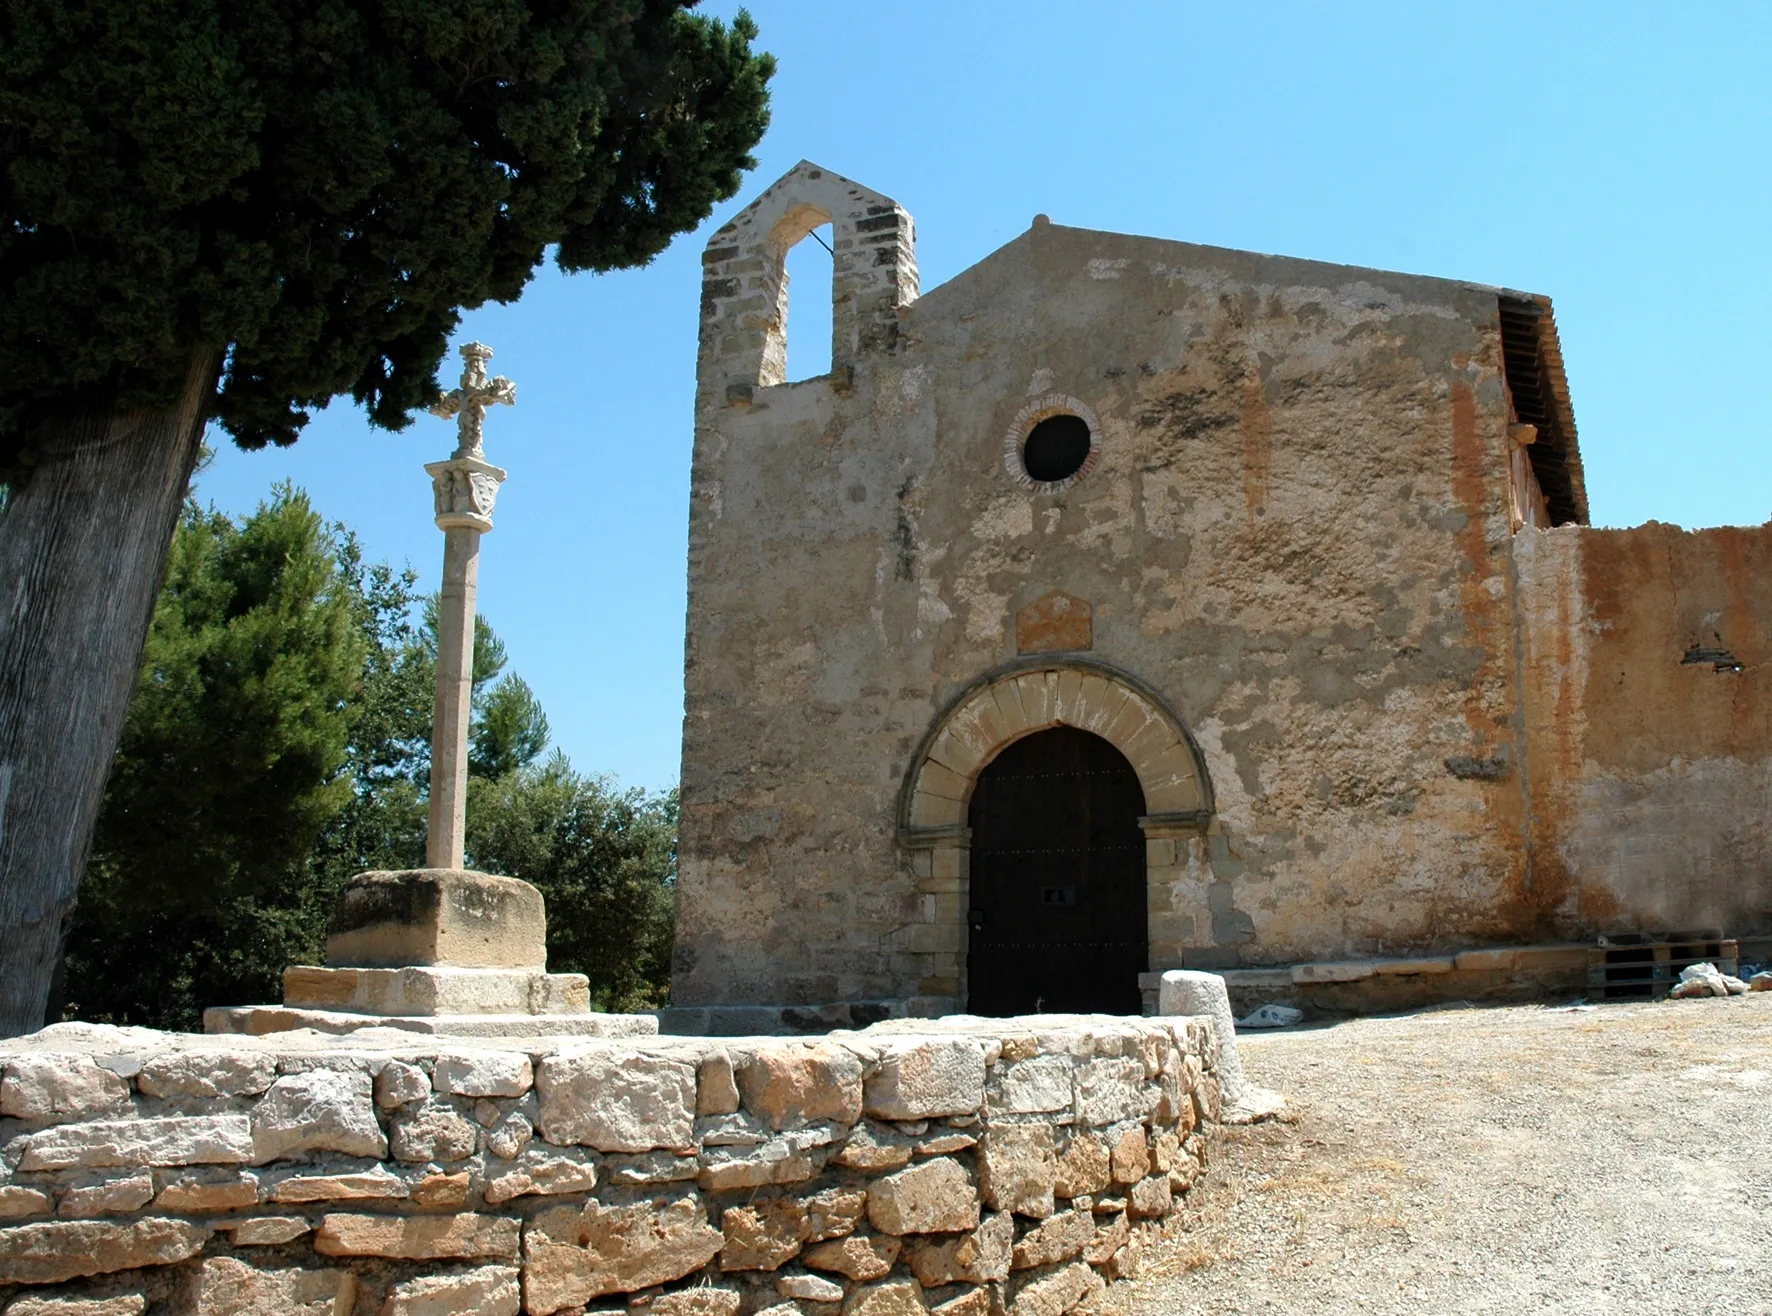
(1018, 1169)
(651, 1167)
(1131, 1157)
(945, 1144)
(1085, 1167)
(53, 1252)
(399, 1083)
(859, 1257)
(1413, 967)
(432, 1133)
(265, 1230)
(617, 1101)
(809, 1288)
(1108, 1239)
(206, 1074)
(1190, 992)
(702, 1300)
(1112, 1089)
(17, 1202)
(56, 1087)
(417, 1238)
(778, 1161)
(543, 1171)
(573, 1254)
(935, 1197)
(1036, 1085)
(980, 1257)
(437, 916)
(926, 1079)
(1332, 971)
(1057, 1238)
(425, 990)
(174, 1140)
(791, 1084)
(228, 1287)
(112, 1197)
(375, 1183)
(121, 1304)
(1056, 1293)
(902, 1297)
(443, 1191)
(318, 1110)
(483, 1074)
(196, 1192)
(763, 1234)
(1172, 1098)
(1165, 1152)
(509, 1136)
(872, 1148)
(1150, 1197)
(716, 1087)
(976, 1302)
(835, 1212)
(783, 1309)
(484, 1291)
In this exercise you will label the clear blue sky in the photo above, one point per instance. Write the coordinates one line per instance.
(1616, 157)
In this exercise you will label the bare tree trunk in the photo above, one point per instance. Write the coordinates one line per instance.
(83, 543)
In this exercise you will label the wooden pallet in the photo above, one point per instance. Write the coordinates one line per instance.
(1645, 968)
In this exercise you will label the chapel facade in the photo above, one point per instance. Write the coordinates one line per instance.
(1124, 604)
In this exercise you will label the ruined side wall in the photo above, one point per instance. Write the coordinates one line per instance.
(1651, 777)
(1011, 1166)
(1296, 534)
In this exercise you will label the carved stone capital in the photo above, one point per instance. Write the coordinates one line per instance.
(465, 489)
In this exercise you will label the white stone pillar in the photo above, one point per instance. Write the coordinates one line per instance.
(1190, 991)
(465, 488)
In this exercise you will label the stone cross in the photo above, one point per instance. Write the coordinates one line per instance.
(467, 404)
(465, 488)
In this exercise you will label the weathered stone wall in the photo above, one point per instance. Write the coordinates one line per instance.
(1295, 535)
(968, 1167)
(1651, 775)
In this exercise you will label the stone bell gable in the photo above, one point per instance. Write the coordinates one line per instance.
(1302, 546)
(744, 290)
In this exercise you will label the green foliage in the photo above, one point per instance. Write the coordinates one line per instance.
(238, 729)
(606, 862)
(510, 730)
(319, 186)
(278, 743)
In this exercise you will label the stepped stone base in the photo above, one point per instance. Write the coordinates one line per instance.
(258, 1020)
(428, 990)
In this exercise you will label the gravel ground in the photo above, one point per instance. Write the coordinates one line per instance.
(1521, 1160)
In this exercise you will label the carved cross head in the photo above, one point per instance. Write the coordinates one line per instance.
(467, 404)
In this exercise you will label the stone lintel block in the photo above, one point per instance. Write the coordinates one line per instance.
(428, 990)
(261, 1020)
(437, 916)
(1333, 971)
(1257, 979)
(1404, 968)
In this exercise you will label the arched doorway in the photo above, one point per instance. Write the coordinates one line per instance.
(1057, 902)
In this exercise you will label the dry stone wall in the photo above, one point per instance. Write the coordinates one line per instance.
(962, 1166)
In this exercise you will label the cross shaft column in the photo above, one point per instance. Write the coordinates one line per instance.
(465, 488)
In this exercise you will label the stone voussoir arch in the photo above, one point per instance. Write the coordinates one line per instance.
(1027, 696)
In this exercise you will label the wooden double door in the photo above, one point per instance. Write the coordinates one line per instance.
(1057, 919)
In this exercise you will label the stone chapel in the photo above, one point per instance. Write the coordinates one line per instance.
(1124, 604)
